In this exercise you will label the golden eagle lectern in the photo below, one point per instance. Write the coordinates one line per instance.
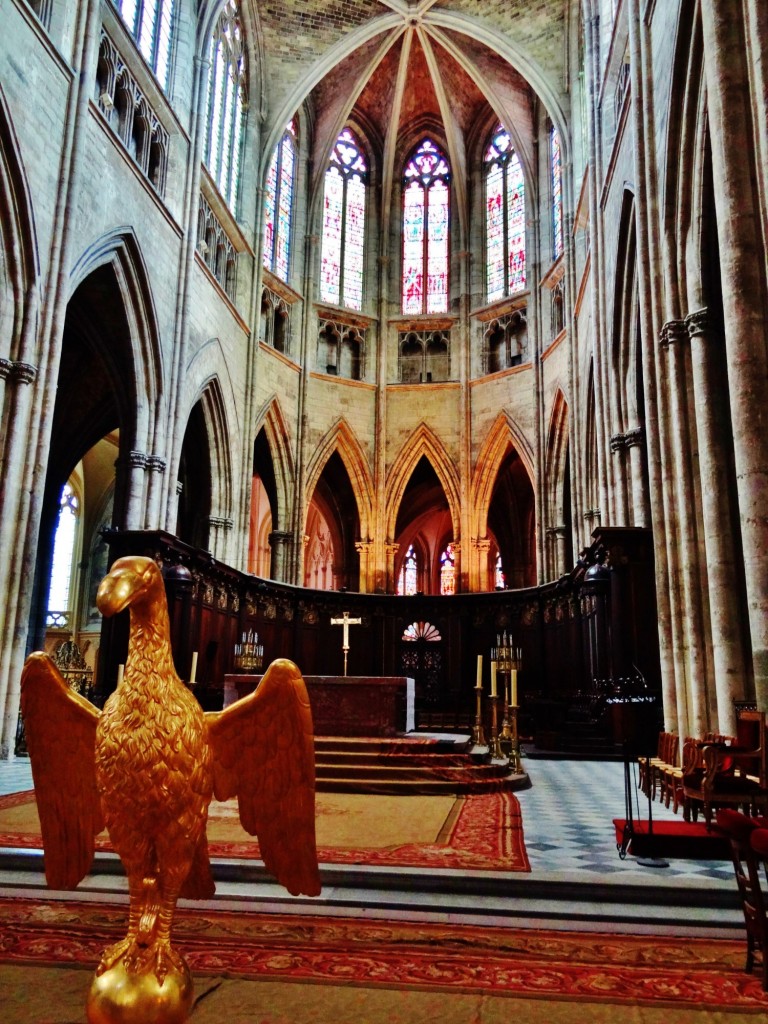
(147, 767)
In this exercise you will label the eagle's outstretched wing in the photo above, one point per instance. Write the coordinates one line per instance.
(264, 754)
(60, 728)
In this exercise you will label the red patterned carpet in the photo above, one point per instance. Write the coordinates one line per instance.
(482, 832)
(550, 965)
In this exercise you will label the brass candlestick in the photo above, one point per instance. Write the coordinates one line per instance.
(249, 654)
(514, 746)
(497, 754)
(479, 744)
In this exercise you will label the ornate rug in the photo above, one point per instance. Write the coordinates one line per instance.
(584, 967)
(476, 832)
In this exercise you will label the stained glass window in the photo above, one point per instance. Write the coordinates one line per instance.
(408, 583)
(447, 571)
(426, 204)
(504, 218)
(557, 192)
(227, 97)
(499, 581)
(278, 204)
(63, 558)
(151, 25)
(341, 275)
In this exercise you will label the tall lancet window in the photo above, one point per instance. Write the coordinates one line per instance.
(426, 206)
(59, 597)
(278, 204)
(227, 100)
(341, 275)
(408, 581)
(504, 218)
(151, 24)
(448, 571)
(556, 168)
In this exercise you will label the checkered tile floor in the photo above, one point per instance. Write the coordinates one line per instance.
(568, 822)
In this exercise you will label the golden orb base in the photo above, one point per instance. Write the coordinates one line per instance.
(121, 997)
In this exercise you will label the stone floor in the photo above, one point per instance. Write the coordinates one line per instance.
(577, 878)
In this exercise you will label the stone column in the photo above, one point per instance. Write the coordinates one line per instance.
(391, 550)
(156, 467)
(135, 465)
(482, 546)
(692, 680)
(634, 443)
(279, 541)
(731, 111)
(618, 443)
(365, 549)
(722, 575)
(219, 528)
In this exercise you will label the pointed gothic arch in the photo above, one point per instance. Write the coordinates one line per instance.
(558, 544)
(272, 421)
(118, 252)
(504, 433)
(342, 439)
(19, 259)
(422, 442)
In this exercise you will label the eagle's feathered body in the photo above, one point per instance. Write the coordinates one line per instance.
(154, 764)
(148, 766)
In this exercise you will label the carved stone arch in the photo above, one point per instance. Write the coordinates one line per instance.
(215, 404)
(504, 433)
(342, 439)
(557, 510)
(422, 442)
(19, 260)
(625, 349)
(272, 420)
(120, 250)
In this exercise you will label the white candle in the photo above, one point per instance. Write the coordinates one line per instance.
(494, 691)
(479, 684)
(120, 673)
(514, 687)
(193, 670)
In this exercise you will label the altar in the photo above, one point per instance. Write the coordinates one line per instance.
(347, 705)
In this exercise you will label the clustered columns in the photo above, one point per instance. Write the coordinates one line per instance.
(280, 543)
(712, 428)
(690, 662)
(143, 482)
(633, 443)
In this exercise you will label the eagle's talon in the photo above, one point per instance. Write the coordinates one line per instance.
(124, 950)
(167, 960)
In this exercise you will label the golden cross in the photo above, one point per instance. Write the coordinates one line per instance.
(346, 622)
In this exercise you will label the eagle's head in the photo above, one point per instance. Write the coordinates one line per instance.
(131, 580)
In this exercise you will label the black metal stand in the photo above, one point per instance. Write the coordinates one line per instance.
(629, 825)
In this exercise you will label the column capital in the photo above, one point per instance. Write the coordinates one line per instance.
(137, 460)
(222, 522)
(635, 438)
(24, 373)
(281, 537)
(156, 463)
(673, 331)
(698, 323)
(5, 368)
(618, 442)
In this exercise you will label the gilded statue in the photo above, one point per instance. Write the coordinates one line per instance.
(146, 768)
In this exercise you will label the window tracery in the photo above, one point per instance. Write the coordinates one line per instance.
(59, 594)
(151, 24)
(227, 101)
(341, 275)
(216, 248)
(408, 581)
(556, 178)
(426, 217)
(504, 217)
(447, 571)
(278, 204)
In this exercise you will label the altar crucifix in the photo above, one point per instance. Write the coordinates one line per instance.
(346, 622)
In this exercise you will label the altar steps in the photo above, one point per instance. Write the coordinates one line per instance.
(418, 766)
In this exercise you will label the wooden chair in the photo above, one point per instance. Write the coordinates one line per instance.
(749, 850)
(733, 775)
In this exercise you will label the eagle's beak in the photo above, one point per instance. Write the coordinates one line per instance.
(117, 590)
